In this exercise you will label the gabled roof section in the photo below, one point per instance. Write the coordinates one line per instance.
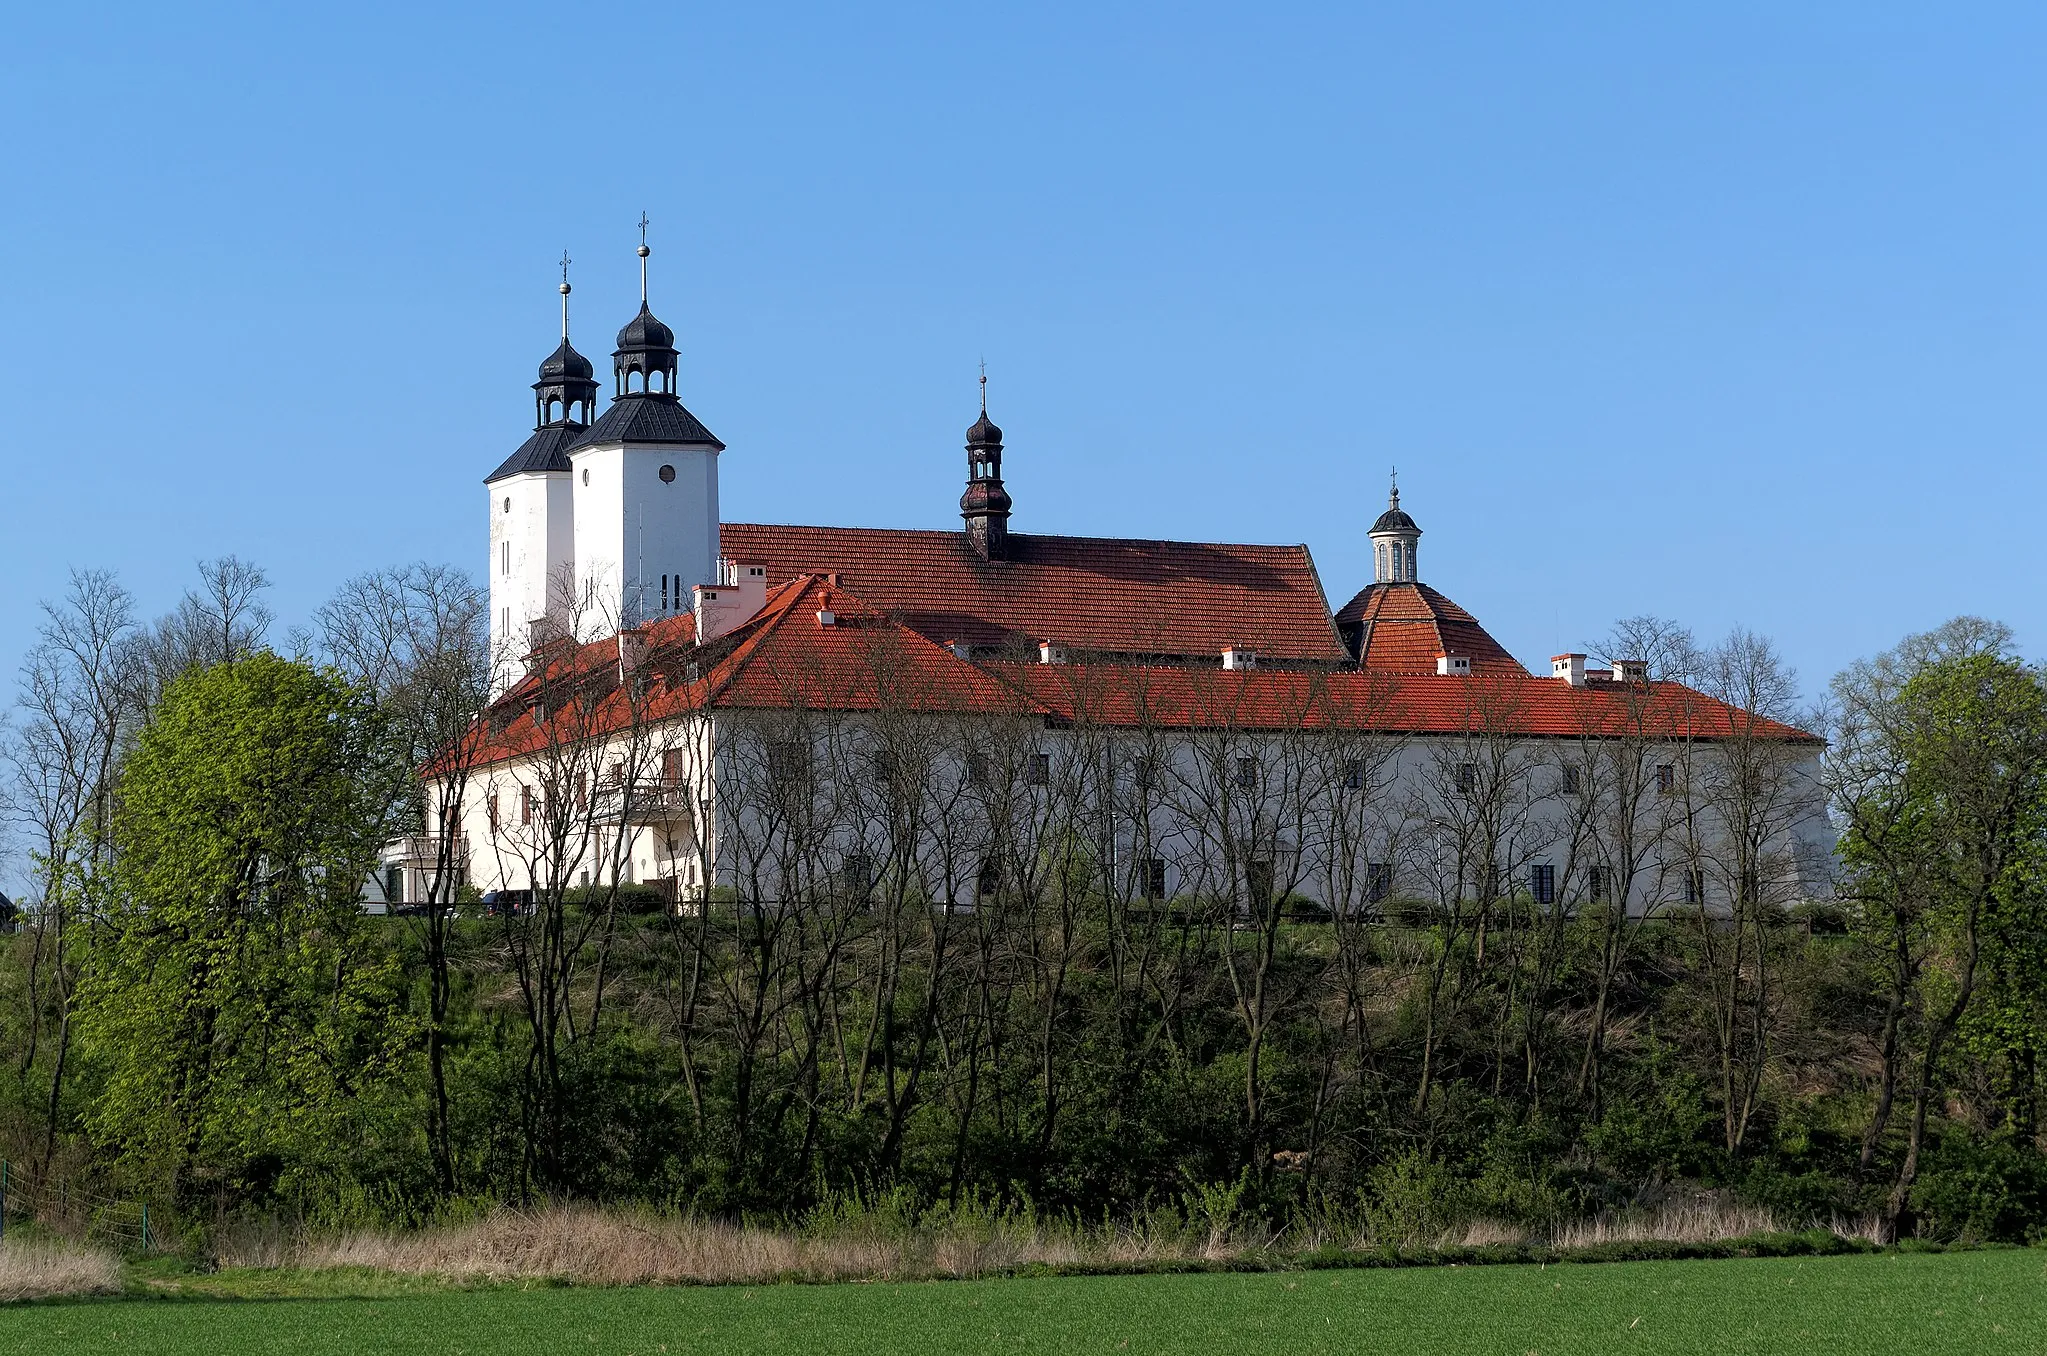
(546, 450)
(1103, 594)
(648, 418)
(1401, 628)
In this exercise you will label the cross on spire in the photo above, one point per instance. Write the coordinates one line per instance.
(565, 296)
(1394, 499)
(984, 386)
(644, 252)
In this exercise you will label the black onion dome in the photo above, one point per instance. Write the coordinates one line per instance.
(643, 331)
(984, 432)
(565, 364)
(1395, 520)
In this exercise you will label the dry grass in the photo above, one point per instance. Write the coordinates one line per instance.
(594, 1245)
(1707, 1221)
(597, 1246)
(44, 1268)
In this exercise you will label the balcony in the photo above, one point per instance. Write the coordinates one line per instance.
(649, 803)
(422, 850)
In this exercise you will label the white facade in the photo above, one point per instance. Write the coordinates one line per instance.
(1348, 821)
(646, 531)
(532, 558)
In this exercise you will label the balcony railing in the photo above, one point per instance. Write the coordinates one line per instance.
(424, 850)
(648, 803)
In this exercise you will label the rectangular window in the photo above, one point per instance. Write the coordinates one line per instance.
(1247, 774)
(989, 882)
(1666, 779)
(1039, 771)
(977, 768)
(1258, 881)
(582, 792)
(394, 884)
(1151, 877)
(525, 805)
(1144, 772)
(1542, 883)
(1598, 882)
(490, 807)
(504, 557)
(787, 763)
(671, 766)
(1378, 882)
(857, 874)
(1567, 780)
(1695, 886)
(1354, 775)
(1467, 778)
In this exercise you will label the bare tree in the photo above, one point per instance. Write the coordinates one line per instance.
(416, 637)
(76, 716)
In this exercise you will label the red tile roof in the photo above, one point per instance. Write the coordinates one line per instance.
(1106, 594)
(1401, 628)
(785, 658)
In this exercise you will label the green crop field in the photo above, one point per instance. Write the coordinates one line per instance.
(1920, 1304)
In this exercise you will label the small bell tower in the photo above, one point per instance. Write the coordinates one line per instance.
(1394, 538)
(985, 506)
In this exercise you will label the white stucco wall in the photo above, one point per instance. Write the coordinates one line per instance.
(632, 527)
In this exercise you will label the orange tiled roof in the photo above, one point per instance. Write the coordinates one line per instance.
(1107, 594)
(785, 658)
(1401, 628)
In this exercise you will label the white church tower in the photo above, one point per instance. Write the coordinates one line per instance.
(532, 516)
(644, 480)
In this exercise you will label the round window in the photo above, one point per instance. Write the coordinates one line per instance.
(667, 475)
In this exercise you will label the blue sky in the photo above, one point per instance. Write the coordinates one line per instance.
(1729, 313)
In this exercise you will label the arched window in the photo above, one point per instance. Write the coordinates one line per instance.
(1383, 572)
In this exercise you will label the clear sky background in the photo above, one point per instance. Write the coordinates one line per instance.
(1729, 313)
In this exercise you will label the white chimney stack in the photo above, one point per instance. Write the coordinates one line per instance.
(1453, 665)
(1630, 671)
(1569, 667)
(1048, 653)
(1235, 657)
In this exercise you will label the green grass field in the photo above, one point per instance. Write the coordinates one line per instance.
(1921, 1304)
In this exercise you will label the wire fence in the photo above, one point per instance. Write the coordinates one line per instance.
(64, 1207)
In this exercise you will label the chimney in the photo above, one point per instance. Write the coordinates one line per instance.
(825, 615)
(632, 653)
(1569, 667)
(1048, 653)
(1236, 657)
(1453, 665)
(1630, 671)
(962, 650)
(732, 602)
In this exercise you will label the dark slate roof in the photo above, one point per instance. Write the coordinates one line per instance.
(1395, 520)
(984, 432)
(648, 418)
(546, 450)
(565, 362)
(643, 331)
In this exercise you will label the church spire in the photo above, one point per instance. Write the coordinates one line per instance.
(566, 393)
(1394, 539)
(985, 506)
(646, 347)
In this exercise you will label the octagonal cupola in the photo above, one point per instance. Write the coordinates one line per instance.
(1394, 539)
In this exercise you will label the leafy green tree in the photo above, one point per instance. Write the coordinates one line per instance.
(237, 1004)
(1941, 776)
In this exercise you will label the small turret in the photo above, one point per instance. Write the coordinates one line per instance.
(1394, 539)
(985, 506)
